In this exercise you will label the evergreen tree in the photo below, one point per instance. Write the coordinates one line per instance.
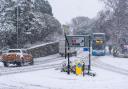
(42, 6)
(27, 21)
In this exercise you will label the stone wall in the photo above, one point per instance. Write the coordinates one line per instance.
(44, 49)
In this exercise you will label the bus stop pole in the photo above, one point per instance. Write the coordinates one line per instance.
(89, 66)
(68, 61)
(66, 40)
(65, 50)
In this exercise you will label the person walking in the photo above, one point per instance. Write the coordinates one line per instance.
(110, 49)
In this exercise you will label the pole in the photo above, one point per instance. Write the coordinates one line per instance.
(65, 50)
(83, 68)
(68, 61)
(89, 66)
(17, 25)
(66, 40)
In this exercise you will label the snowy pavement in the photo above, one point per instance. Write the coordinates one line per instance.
(54, 79)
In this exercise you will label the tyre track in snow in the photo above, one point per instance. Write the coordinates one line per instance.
(44, 61)
(28, 69)
(39, 65)
(9, 86)
(102, 65)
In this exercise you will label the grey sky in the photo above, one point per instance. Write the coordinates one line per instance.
(65, 10)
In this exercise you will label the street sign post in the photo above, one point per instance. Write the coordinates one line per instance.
(79, 41)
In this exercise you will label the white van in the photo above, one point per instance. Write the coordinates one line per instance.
(72, 50)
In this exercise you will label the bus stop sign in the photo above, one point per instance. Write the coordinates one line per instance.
(85, 49)
(78, 41)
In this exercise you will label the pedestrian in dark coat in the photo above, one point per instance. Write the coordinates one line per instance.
(110, 49)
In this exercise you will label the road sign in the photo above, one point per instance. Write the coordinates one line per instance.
(85, 49)
(78, 41)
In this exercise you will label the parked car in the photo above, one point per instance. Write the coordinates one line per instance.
(17, 56)
(121, 51)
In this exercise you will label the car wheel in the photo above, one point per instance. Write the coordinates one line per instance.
(5, 64)
(23, 61)
(19, 64)
(32, 62)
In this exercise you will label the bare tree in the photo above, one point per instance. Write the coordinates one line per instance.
(117, 18)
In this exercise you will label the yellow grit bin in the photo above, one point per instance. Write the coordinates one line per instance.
(79, 68)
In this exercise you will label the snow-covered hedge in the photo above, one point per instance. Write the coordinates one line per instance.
(44, 49)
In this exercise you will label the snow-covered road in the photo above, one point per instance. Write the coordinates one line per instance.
(53, 61)
(118, 65)
(111, 73)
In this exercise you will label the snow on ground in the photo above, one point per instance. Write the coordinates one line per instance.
(54, 79)
(115, 61)
(1, 64)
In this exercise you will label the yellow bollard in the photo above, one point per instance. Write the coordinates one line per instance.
(79, 68)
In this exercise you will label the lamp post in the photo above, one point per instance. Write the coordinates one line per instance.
(17, 25)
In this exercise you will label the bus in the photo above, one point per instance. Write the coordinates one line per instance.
(98, 44)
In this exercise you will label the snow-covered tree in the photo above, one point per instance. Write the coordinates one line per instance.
(42, 6)
(81, 25)
(27, 21)
(114, 19)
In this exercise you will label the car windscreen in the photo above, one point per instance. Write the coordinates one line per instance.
(24, 51)
(14, 51)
